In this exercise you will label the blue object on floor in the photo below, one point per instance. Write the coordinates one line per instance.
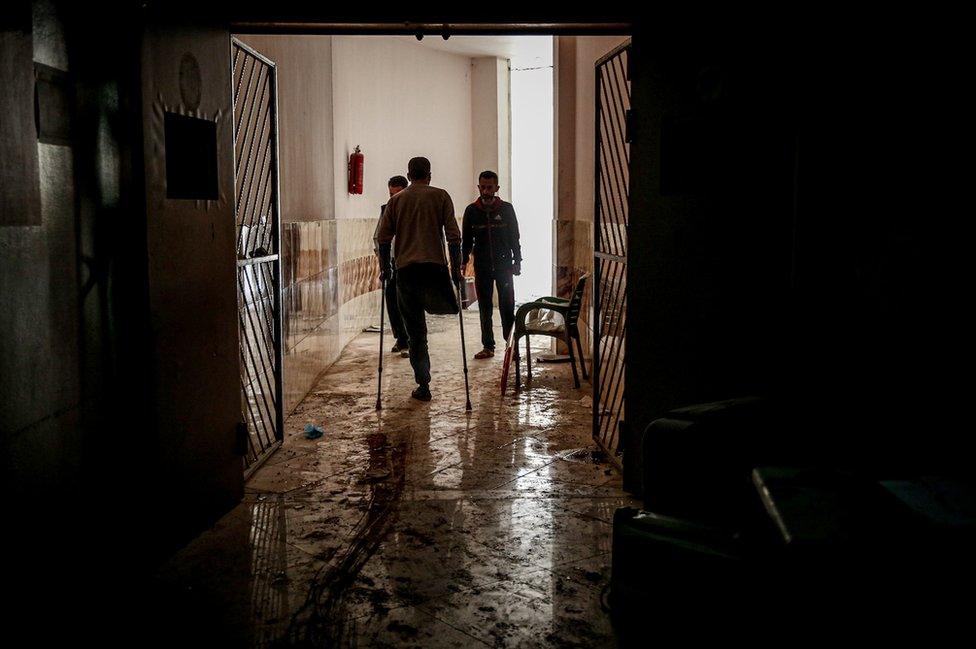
(313, 432)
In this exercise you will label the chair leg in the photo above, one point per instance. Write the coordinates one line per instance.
(572, 361)
(518, 368)
(528, 361)
(582, 359)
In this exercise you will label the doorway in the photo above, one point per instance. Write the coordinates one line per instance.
(482, 102)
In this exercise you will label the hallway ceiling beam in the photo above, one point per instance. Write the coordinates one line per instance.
(431, 29)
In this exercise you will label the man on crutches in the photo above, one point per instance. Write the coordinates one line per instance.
(420, 218)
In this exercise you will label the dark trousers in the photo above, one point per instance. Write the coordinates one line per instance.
(393, 310)
(484, 284)
(423, 288)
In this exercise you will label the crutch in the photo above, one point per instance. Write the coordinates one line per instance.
(379, 374)
(464, 353)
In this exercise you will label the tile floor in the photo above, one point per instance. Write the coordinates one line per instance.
(418, 525)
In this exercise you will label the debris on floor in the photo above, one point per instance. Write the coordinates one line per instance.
(552, 358)
(402, 628)
(594, 455)
(577, 455)
(313, 432)
(281, 577)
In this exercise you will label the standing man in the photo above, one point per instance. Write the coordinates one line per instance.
(491, 230)
(396, 184)
(419, 218)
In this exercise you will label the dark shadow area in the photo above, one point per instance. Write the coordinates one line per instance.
(191, 158)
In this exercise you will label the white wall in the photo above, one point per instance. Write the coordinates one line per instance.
(491, 121)
(397, 101)
(304, 68)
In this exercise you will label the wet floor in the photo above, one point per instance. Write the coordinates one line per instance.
(419, 525)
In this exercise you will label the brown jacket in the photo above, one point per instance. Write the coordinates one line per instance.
(419, 217)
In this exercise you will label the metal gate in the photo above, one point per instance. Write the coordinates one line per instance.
(258, 260)
(611, 196)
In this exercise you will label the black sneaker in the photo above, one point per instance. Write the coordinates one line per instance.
(422, 393)
(398, 347)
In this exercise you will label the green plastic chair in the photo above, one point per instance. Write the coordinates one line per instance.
(568, 331)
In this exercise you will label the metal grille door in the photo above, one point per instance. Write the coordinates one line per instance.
(258, 261)
(611, 196)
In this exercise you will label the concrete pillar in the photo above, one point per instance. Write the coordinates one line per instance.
(564, 142)
(491, 132)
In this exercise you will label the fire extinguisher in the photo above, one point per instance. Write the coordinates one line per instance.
(356, 172)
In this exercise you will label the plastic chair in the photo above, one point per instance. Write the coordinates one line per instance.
(568, 331)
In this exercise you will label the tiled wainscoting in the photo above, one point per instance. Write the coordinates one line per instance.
(310, 303)
(330, 292)
(359, 282)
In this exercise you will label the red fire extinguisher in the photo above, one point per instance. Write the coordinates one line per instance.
(356, 172)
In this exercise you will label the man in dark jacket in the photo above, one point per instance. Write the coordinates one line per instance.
(490, 230)
(395, 185)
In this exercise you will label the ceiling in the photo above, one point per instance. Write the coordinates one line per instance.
(524, 51)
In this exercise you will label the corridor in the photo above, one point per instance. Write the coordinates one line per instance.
(419, 525)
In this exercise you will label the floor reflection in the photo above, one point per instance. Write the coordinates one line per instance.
(421, 524)
(269, 587)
